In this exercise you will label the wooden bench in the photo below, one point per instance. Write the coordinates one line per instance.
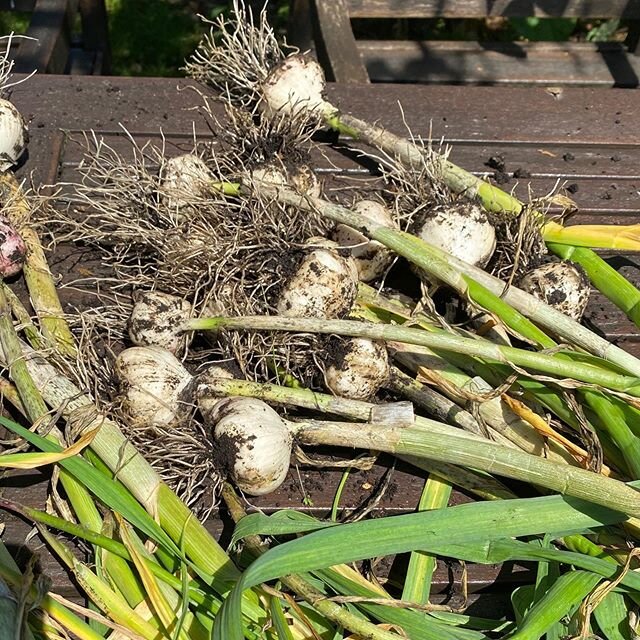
(54, 47)
(345, 59)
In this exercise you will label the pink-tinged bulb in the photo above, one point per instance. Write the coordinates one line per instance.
(12, 250)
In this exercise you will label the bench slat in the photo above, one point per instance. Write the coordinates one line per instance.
(481, 8)
(542, 63)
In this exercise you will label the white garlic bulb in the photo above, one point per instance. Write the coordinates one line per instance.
(156, 390)
(205, 397)
(301, 178)
(358, 369)
(297, 84)
(184, 178)
(372, 258)
(252, 442)
(463, 230)
(13, 135)
(13, 250)
(561, 285)
(323, 285)
(157, 319)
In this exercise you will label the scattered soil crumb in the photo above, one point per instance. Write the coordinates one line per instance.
(568, 157)
(572, 188)
(521, 173)
(496, 162)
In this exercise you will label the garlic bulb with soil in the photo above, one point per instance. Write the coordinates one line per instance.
(461, 229)
(12, 250)
(184, 178)
(358, 368)
(295, 85)
(205, 398)
(372, 258)
(155, 389)
(302, 178)
(157, 319)
(561, 285)
(324, 284)
(252, 443)
(13, 135)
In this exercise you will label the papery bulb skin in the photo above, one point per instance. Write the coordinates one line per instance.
(358, 368)
(157, 319)
(156, 390)
(324, 284)
(295, 85)
(462, 230)
(561, 285)
(372, 258)
(13, 135)
(252, 442)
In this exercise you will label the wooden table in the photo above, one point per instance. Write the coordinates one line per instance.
(588, 138)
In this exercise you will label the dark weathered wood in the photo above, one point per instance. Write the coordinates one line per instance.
(473, 63)
(336, 47)
(95, 34)
(49, 30)
(543, 63)
(532, 127)
(299, 27)
(17, 5)
(481, 8)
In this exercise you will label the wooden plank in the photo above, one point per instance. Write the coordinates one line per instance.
(335, 45)
(629, 9)
(526, 63)
(95, 34)
(49, 28)
(17, 5)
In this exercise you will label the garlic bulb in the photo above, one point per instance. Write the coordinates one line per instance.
(252, 442)
(155, 388)
(324, 284)
(12, 250)
(561, 285)
(13, 135)
(463, 230)
(297, 84)
(157, 319)
(184, 178)
(301, 178)
(358, 369)
(205, 397)
(372, 258)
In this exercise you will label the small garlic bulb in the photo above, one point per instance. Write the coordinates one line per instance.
(12, 250)
(155, 388)
(184, 178)
(157, 319)
(561, 285)
(358, 369)
(372, 258)
(301, 178)
(463, 230)
(296, 85)
(323, 285)
(252, 442)
(205, 397)
(13, 135)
